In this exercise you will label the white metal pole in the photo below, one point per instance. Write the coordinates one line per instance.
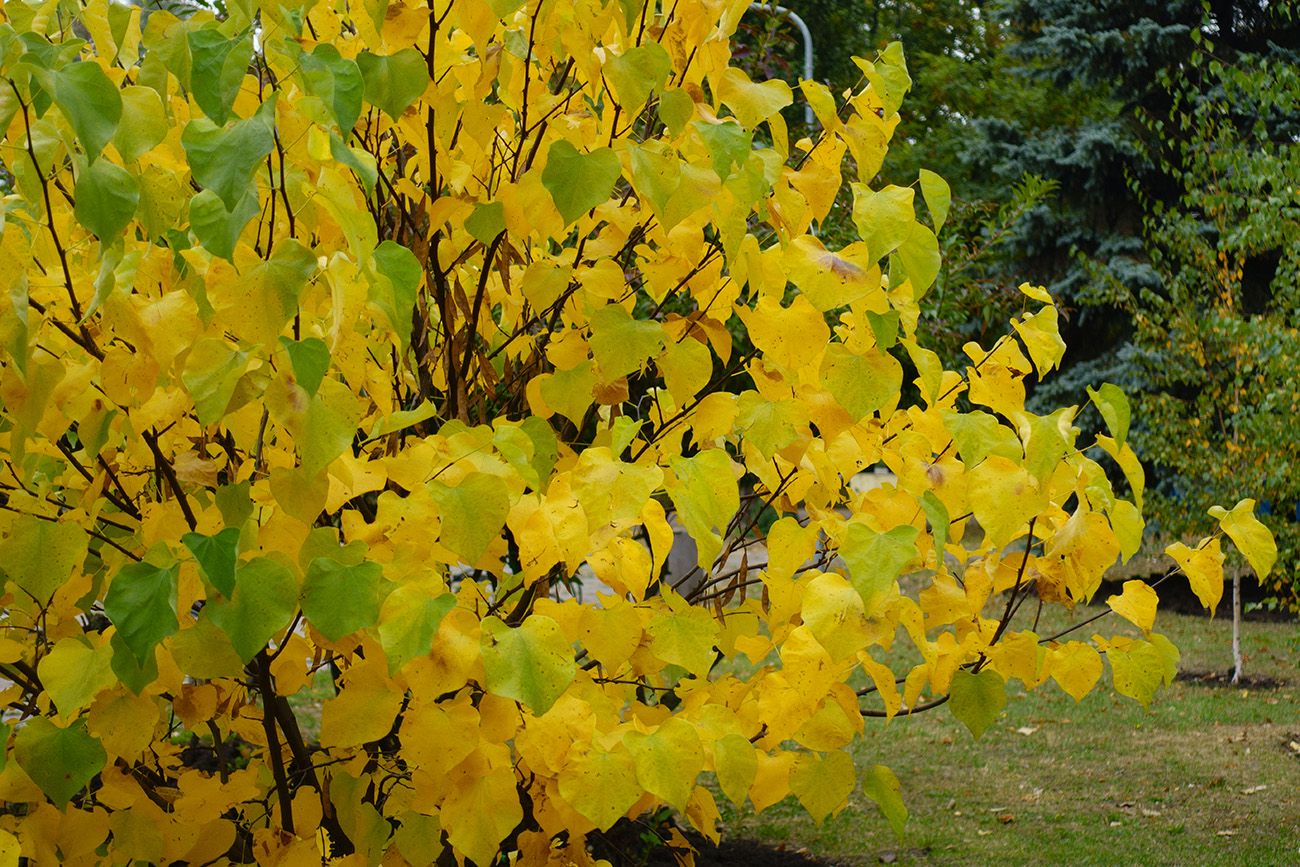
(806, 34)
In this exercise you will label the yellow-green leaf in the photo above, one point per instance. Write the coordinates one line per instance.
(752, 102)
(73, 673)
(704, 491)
(823, 784)
(1252, 538)
(264, 601)
(875, 559)
(340, 599)
(938, 198)
(1111, 401)
(667, 760)
(601, 785)
(880, 785)
(39, 556)
(636, 72)
(736, 764)
(532, 663)
(862, 384)
(884, 217)
(620, 343)
(1140, 668)
(472, 512)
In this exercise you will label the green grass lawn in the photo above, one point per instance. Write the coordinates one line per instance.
(1206, 777)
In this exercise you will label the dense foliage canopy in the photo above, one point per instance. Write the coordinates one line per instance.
(344, 343)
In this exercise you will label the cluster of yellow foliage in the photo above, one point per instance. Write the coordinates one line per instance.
(342, 337)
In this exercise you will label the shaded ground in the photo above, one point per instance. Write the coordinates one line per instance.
(749, 853)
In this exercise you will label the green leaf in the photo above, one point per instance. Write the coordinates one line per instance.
(394, 81)
(141, 602)
(656, 177)
(336, 81)
(532, 664)
(395, 292)
(340, 600)
(937, 514)
(363, 165)
(729, 144)
(1113, 404)
(706, 496)
(861, 384)
(135, 674)
(875, 559)
(310, 359)
(264, 601)
(687, 636)
(579, 182)
(636, 72)
(62, 761)
(223, 159)
(472, 513)
(938, 198)
(620, 343)
(976, 699)
(217, 556)
(676, 108)
(409, 621)
(328, 427)
(217, 67)
(884, 217)
(211, 373)
(143, 125)
(920, 258)
(880, 785)
(978, 435)
(39, 556)
(91, 103)
(107, 196)
(218, 228)
(487, 221)
(268, 294)
(569, 392)
(884, 327)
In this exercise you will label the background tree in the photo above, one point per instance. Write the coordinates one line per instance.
(1217, 345)
(342, 339)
